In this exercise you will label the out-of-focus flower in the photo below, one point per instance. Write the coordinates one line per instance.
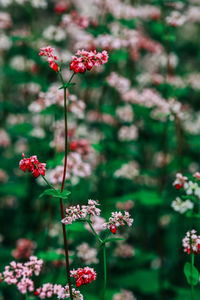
(48, 290)
(4, 138)
(162, 159)
(97, 224)
(182, 206)
(5, 42)
(124, 250)
(24, 249)
(176, 19)
(5, 20)
(32, 165)
(83, 276)
(22, 64)
(192, 188)
(3, 176)
(61, 7)
(196, 175)
(124, 295)
(191, 242)
(125, 113)
(81, 146)
(87, 254)
(128, 205)
(118, 219)
(54, 33)
(85, 60)
(120, 83)
(129, 170)
(128, 133)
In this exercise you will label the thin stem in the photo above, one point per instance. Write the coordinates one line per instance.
(62, 187)
(97, 236)
(51, 186)
(26, 296)
(105, 272)
(192, 286)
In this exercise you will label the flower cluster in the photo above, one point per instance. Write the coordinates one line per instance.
(19, 274)
(182, 206)
(83, 276)
(191, 242)
(48, 290)
(81, 146)
(85, 60)
(118, 219)
(124, 295)
(24, 249)
(48, 51)
(180, 181)
(32, 165)
(86, 254)
(74, 213)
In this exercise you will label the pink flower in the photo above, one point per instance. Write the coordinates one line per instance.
(74, 213)
(83, 276)
(24, 249)
(32, 165)
(180, 181)
(48, 51)
(61, 7)
(118, 219)
(48, 290)
(191, 242)
(196, 175)
(19, 274)
(87, 60)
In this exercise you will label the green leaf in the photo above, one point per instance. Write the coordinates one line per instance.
(190, 214)
(66, 85)
(146, 281)
(148, 197)
(110, 240)
(50, 256)
(55, 193)
(191, 274)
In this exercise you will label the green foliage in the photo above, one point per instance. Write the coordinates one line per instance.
(191, 274)
(55, 193)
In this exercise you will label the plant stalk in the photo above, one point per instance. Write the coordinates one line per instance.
(105, 272)
(62, 187)
(192, 286)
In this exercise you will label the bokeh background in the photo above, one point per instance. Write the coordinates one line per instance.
(133, 124)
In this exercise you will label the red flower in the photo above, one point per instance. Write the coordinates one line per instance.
(48, 51)
(86, 60)
(32, 165)
(178, 186)
(83, 276)
(113, 229)
(61, 7)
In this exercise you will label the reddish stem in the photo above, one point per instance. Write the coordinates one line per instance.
(61, 201)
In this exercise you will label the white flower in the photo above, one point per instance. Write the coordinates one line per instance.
(54, 33)
(182, 206)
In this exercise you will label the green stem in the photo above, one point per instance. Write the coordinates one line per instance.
(105, 272)
(192, 286)
(51, 186)
(26, 295)
(97, 236)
